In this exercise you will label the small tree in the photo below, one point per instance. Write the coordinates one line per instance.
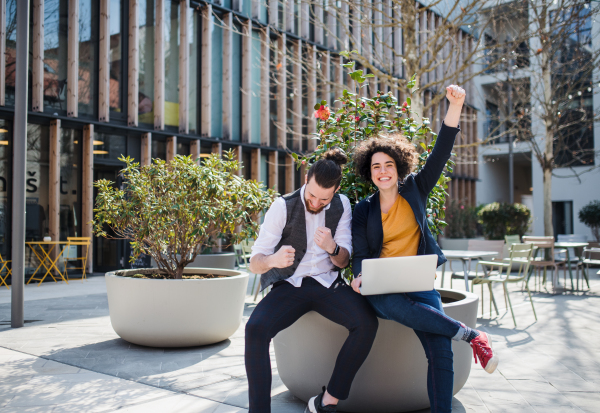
(590, 216)
(172, 210)
(358, 119)
(500, 219)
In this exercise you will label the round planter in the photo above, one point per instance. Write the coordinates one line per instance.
(223, 260)
(394, 375)
(176, 313)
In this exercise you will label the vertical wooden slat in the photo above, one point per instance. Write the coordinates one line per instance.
(290, 25)
(282, 92)
(305, 18)
(331, 25)
(171, 148)
(237, 156)
(367, 31)
(3, 49)
(387, 36)
(146, 149)
(104, 63)
(255, 167)
(326, 76)
(54, 182)
(195, 149)
(344, 26)
(247, 82)
(273, 178)
(338, 73)
(205, 79)
(297, 109)
(289, 175)
(356, 26)
(133, 64)
(227, 107)
(159, 66)
(273, 12)
(37, 55)
(265, 87)
(318, 16)
(87, 196)
(311, 91)
(73, 60)
(218, 149)
(378, 29)
(397, 34)
(184, 66)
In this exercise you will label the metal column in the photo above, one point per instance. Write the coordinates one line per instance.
(19, 166)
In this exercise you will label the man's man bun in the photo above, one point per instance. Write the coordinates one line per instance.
(336, 155)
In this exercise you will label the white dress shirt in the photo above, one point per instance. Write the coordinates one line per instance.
(316, 262)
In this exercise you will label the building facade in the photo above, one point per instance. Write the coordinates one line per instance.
(157, 78)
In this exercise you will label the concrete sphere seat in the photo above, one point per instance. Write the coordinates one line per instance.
(176, 313)
(394, 376)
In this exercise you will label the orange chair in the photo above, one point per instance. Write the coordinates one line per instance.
(4, 265)
(77, 242)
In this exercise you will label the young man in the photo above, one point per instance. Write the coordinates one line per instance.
(304, 241)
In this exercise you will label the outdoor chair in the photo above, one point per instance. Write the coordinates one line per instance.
(243, 251)
(561, 255)
(521, 256)
(512, 239)
(4, 266)
(547, 260)
(591, 256)
(83, 242)
(479, 245)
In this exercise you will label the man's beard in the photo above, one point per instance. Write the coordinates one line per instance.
(311, 210)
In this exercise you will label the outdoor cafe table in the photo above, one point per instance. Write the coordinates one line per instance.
(465, 257)
(42, 252)
(566, 245)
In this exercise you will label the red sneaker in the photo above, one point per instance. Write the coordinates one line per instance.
(482, 349)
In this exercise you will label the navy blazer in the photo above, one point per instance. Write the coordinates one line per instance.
(367, 229)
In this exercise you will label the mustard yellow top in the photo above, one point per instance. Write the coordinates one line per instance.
(401, 233)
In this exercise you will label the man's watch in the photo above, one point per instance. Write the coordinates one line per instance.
(336, 251)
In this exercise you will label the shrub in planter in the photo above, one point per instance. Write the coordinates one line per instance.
(462, 221)
(500, 219)
(590, 216)
(172, 211)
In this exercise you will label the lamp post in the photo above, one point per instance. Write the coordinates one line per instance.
(19, 166)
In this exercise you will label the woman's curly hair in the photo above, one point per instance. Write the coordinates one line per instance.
(394, 145)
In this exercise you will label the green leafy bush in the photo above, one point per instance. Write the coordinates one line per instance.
(500, 219)
(359, 118)
(590, 216)
(171, 211)
(462, 221)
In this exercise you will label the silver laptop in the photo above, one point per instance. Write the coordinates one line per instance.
(398, 275)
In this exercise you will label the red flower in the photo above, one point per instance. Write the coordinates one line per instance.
(322, 113)
(322, 131)
(362, 104)
(337, 119)
(357, 118)
(377, 102)
(404, 104)
(403, 109)
(303, 162)
(444, 208)
(462, 207)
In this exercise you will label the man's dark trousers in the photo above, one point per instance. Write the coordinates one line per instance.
(282, 307)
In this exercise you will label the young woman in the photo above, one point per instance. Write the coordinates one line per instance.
(393, 223)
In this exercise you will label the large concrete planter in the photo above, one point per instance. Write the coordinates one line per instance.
(223, 260)
(176, 313)
(394, 376)
(455, 243)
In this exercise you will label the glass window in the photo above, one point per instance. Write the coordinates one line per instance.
(183, 148)
(5, 187)
(109, 146)
(55, 54)
(236, 83)
(70, 184)
(159, 149)
(11, 51)
(36, 185)
(87, 56)
(194, 68)
(171, 63)
(146, 63)
(255, 82)
(217, 79)
(115, 56)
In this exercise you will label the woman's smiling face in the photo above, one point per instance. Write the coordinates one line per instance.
(383, 171)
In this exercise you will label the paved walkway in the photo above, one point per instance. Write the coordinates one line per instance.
(67, 358)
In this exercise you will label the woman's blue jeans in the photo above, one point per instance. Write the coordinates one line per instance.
(423, 312)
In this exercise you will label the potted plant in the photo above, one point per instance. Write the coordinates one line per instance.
(500, 219)
(590, 216)
(172, 211)
(387, 381)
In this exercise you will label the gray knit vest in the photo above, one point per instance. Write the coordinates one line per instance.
(294, 234)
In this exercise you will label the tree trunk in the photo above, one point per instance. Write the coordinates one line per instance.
(548, 228)
(548, 161)
(179, 272)
(409, 12)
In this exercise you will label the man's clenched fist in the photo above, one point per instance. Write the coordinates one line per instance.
(283, 258)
